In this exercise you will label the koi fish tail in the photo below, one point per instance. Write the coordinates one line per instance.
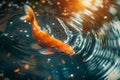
(29, 15)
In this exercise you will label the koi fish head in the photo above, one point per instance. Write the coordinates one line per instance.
(66, 48)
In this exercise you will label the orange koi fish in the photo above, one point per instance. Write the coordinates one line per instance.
(42, 37)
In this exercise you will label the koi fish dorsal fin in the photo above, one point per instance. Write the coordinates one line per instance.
(29, 14)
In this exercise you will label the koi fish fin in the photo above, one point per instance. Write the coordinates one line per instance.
(26, 17)
(48, 51)
(35, 46)
(29, 15)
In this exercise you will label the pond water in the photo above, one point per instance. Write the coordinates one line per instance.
(90, 27)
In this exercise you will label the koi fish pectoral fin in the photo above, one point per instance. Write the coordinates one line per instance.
(35, 46)
(48, 51)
